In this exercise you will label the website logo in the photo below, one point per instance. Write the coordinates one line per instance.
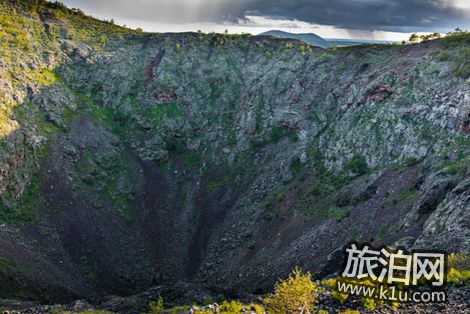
(393, 274)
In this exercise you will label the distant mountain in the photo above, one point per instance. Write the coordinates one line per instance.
(309, 38)
(315, 40)
(354, 42)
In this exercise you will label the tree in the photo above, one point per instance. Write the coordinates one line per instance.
(414, 37)
(430, 36)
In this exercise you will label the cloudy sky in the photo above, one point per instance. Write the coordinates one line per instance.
(359, 19)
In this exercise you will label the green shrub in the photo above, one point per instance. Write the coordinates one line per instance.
(178, 309)
(207, 300)
(339, 214)
(412, 161)
(296, 166)
(459, 261)
(89, 312)
(462, 70)
(338, 296)
(445, 56)
(297, 294)
(456, 277)
(178, 47)
(231, 307)
(156, 307)
(462, 66)
(277, 133)
(258, 309)
(368, 303)
(288, 46)
(457, 38)
(357, 165)
(326, 57)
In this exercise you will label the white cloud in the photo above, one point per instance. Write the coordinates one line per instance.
(462, 4)
(259, 24)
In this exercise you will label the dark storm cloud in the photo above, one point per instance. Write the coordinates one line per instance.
(165, 11)
(404, 15)
(368, 14)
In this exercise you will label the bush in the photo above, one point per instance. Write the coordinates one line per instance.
(459, 268)
(231, 307)
(258, 309)
(463, 71)
(445, 56)
(412, 161)
(357, 165)
(462, 67)
(456, 277)
(178, 47)
(459, 261)
(156, 307)
(326, 57)
(339, 214)
(296, 294)
(288, 46)
(338, 296)
(178, 309)
(87, 312)
(368, 303)
(278, 133)
(457, 38)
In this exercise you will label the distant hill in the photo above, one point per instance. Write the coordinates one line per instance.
(354, 42)
(315, 40)
(309, 38)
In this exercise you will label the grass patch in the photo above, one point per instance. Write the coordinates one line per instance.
(322, 191)
(268, 203)
(24, 207)
(159, 112)
(462, 66)
(339, 213)
(276, 135)
(105, 173)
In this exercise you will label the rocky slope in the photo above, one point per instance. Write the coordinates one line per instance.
(128, 159)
